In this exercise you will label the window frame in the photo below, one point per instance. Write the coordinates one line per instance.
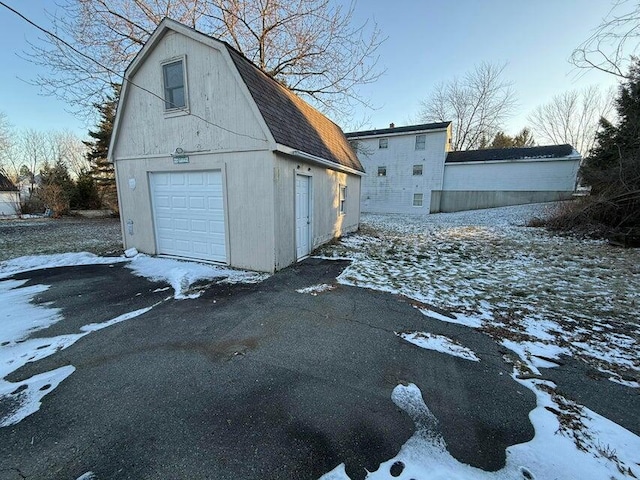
(421, 166)
(415, 197)
(172, 111)
(423, 142)
(383, 141)
(342, 199)
(382, 171)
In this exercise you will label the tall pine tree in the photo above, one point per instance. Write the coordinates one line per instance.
(102, 169)
(613, 167)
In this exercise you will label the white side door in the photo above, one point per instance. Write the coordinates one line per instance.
(303, 216)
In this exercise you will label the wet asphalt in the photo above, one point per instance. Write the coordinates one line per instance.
(251, 382)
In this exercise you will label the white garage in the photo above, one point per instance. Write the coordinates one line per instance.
(188, 212)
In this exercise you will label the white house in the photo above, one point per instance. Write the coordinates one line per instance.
(9, 197)
(403, 164)
(411, 170)
(216, 161)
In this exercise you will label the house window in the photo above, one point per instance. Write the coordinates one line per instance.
(175, 92)
(382, 171)
(343, 199)
(421, 141)
(417, 199)
(383, 143)
(417, 170)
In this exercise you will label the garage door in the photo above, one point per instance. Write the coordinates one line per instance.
(189, 214)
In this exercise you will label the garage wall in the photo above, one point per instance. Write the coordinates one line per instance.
(248, 198)
(327, 220)
(215, 94)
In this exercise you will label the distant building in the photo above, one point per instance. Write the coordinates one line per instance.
(411, 170)
(9, 197)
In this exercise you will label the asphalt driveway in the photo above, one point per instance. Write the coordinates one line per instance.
(251, 381)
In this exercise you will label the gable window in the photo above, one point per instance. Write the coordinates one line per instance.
(383, 143)
(421, 141)
(382, 171)
(417, 199)
(417, 170)
(343, 199)
(175, 92)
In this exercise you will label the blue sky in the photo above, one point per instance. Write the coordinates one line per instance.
(428, 42)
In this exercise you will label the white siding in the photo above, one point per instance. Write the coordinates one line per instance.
(218, 104)
(394, 192)
(521, 175)
(325, 190)
(9, 203)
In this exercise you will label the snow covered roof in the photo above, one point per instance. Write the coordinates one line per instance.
(395, 130)
(521, 153)
(6, 185)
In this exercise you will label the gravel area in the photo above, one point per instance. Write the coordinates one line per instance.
(20, 237)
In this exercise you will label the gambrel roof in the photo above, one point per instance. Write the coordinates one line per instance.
(521, 153)
(291, 121)
(6, 185)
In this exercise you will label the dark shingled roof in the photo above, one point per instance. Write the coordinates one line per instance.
(6, 185)
(407, 129)
(291, 120)
(522, 153)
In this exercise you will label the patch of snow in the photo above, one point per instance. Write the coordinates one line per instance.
(130, 252)
(550, 454)
(536, 355)
(38, 262)
(182, 274)
(459, 319)
(19, 316)
(439, 343)
(316, 289)
(87, 476)
(28, 393)
(16, 349)
(513, 282)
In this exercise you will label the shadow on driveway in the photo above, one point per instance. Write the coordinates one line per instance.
(251, 382)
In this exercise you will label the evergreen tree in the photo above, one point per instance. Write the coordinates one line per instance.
(502, 140)
(613, 163)
(613, 167)
(102, 169)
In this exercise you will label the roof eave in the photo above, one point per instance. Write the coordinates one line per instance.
(315, 159)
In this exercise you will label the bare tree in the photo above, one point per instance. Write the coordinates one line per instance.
(572, 117)
(33, 154)
(67, 147)
(312, 46)
(477, 104)
(6, 144)
(613, 43)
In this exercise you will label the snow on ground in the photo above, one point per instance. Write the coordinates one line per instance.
(38, 262)
(514, 282)
(181, 275)
(552, 453)
(439, 343)
(538, 294)
(18, 349)
(316, 289)
(20, 317)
